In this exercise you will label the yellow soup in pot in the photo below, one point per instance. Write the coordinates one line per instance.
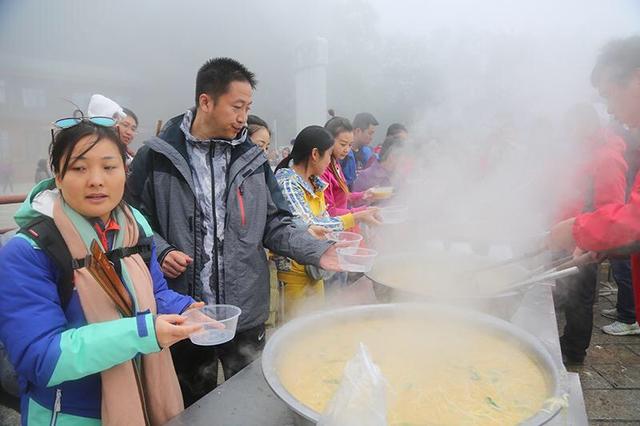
(438, 372)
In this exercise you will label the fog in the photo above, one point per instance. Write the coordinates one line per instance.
(455, 73)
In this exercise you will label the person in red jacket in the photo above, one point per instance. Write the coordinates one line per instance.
(600, 179)
(614, 227)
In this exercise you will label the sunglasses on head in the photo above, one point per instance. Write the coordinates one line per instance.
(65, 123)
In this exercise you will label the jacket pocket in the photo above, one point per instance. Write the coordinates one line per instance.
(243, 218)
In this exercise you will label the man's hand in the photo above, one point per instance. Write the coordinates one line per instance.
(329, 260)
(583, 257)
(319, 232)
(561, 236)
(175, 263)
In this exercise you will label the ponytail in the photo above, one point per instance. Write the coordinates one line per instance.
(284, 164)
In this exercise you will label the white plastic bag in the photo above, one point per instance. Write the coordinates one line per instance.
(361, 398)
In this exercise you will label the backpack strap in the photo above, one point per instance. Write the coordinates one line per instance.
(45, 233)
(144, 250)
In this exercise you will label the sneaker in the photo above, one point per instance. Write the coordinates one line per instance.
(610, 313)
(618, 328)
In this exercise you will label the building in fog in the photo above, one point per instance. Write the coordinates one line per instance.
(31, 88)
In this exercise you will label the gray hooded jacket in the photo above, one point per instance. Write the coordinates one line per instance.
(161, 186)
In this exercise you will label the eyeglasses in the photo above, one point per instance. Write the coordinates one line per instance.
(128, 126)
(65, 123)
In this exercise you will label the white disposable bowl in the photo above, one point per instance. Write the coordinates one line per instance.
(210, 335)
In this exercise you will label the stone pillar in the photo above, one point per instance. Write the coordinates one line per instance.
(311, 59)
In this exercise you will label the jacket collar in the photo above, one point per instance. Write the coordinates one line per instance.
(185, 127)
(318, 184)
(171, 142)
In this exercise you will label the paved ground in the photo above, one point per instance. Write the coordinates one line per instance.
(611, 374)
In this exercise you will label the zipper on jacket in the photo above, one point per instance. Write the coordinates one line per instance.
(241, 205)
(192, 224)
(215, 225)
(57, 406)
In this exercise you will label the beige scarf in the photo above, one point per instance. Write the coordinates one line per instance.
(121, 401)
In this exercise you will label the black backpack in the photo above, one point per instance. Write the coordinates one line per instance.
(45, 233)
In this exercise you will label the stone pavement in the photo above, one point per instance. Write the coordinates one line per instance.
(610, 375)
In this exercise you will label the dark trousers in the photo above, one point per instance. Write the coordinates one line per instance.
(197, 366)
(625, 306)
(576, 295)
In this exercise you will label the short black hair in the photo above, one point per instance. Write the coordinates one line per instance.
(215, 76)
(396, 128)
(363, 120)
(621, 57)
(131, 114)
(389, 145)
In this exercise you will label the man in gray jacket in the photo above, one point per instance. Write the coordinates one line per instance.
(215, 205)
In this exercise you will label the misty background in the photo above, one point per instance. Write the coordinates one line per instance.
(459, 74)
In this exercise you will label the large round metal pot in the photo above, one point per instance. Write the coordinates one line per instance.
(500, 303)
(286, 335)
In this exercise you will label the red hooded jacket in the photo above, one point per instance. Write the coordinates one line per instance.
(613, 225)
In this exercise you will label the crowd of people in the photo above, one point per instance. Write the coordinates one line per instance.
(195, 216)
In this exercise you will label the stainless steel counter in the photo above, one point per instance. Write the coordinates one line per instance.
(247, 400)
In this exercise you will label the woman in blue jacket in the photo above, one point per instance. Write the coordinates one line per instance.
(84, 362)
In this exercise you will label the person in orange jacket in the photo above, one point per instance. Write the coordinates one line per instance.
(615, 227)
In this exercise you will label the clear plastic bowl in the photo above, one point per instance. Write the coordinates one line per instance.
(394, 214)
(348, 239)
(210, 335)
(356, 259)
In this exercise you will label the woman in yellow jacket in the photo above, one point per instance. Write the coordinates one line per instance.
(298, 177)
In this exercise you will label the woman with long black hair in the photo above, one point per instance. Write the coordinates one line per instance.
(298, 177)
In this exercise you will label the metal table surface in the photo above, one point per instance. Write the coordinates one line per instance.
(247, 400)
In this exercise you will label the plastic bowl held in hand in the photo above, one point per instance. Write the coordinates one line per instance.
(211, 335)
(347, 239)
(394, 214)
(382, 192)
(356, 259)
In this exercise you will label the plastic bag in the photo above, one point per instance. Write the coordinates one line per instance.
(361, 398)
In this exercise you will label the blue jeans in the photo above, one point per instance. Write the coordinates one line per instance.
(625, 306)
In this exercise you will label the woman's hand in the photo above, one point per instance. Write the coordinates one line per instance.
(368, 195)
(369, 216)
(171, 329)
(195, 305)
(175, 263)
